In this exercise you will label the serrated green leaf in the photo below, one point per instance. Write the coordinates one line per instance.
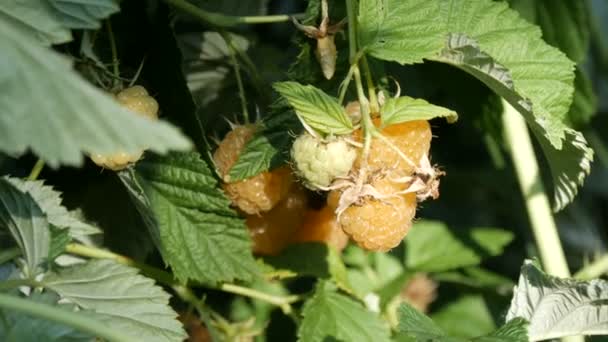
(403, 109)
(584, 105)
(198, 234)
(54, 112)
(432, 247)
(416, 325)
(400, 31)
(565, 23)
(35, 19)
(120, 297)
(516, 330)
(321, 261)
(24, 328)
(83, 14)
(466, 317)
(20, 214)
(49, 202)
(559, 307)
(317, 109)
(329, 314)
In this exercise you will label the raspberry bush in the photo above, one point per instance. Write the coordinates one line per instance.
(302, 170)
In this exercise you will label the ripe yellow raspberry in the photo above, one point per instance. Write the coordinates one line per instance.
(378, 224)
(272, 231)
(412, 138)
(137, 100)
(322, 226)
(256, 194)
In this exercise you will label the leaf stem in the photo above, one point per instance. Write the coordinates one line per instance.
(72, 319)
(537, 203)
(352, 30)
(282, 302)
(374, 106)
(594, 270)
(221, 20)
(36, 170)
(237, 73)
(115, 67)
(13, 283)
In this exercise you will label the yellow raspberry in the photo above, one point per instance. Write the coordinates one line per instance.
(322, 226)
(253, 195)
(272, 231)
(379, 224)
(137, 100)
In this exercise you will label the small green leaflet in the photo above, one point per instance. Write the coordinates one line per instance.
(565, 23)
(401, 31)
(200, 237)
(466, 317)
(329, 314)
(403, 109)
(49, 202)
(120, 297)
(23, 218)
(420, 327)
(51, 110)
(559, 307)
(315, 108)
(432, 247)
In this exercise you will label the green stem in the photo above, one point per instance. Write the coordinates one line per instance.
(9, 254)
(594, 270)
(115, 67)
(282, 302)
(537, 203)
(72, 319)
(352, 29)
(237, 73)
(371, 89)
(221, 20)
(13, 283)
(36, 170)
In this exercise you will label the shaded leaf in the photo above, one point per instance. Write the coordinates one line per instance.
(20, 214)
(467, 317)
(51, 110)
(329, 315)
(120, 297)
(35, 19)
(83, 14)
(415, 324)
(559, 307)
(516, 330)
(432, 247)
(584, 105)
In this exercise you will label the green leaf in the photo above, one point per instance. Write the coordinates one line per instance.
(477, 278)
(49, 202)
(83, 14)
(405, 109)
(315, 108)
(494, 44)
(321, 261)
(559, 307)
(400, 31)
(120, 297)
(199, 235)
(59, 240)
(565, 23)
(432, 247)
(35, 19)
(466, 317)
(516, 330)
(24, 328)
(584, 105)
(20, 214)
(269, 146)
(51, 110)
(329, 314)
(415, 324)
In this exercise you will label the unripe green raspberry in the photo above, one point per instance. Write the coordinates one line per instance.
(319, 162)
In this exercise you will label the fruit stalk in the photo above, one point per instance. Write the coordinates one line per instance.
(36, 170)
(237, 74)
(537, 203)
